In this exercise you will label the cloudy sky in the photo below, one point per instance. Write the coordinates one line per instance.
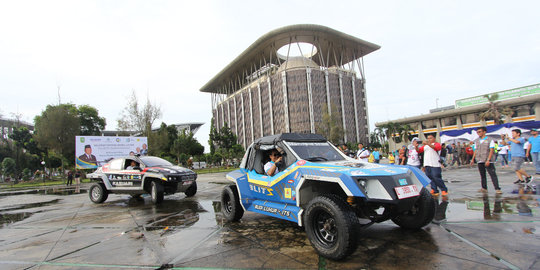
(97, 52)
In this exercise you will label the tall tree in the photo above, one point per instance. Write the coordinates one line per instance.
(331, 126)
(188, 145)
(56, 128)
(139, 117)
(91, 123)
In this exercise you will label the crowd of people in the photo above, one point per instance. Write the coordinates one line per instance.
(431, 157)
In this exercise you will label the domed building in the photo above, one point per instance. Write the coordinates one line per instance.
(267, 90)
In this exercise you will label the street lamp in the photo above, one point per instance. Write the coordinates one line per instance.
(42, 174)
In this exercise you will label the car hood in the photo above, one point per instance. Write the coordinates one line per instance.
(359, 168)
(169, 169)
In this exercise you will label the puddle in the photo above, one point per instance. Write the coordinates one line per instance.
(7, 219)
(62, 191)
(30, 205)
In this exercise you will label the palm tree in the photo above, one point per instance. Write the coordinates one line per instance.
(494, 111)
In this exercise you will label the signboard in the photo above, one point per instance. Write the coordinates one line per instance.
(502, 95)
(93, 151)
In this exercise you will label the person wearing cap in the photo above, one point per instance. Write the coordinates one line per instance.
(534, 149)
(87, 156)
(412, 153)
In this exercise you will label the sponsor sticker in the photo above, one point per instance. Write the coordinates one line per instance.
(358, 172)
(403, 182)
(272, 210)
(301, 162)
(288, 193)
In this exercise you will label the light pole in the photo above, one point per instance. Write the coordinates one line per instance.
(43, 173)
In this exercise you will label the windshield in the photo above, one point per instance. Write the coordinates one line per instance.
(155, 161)
(322, 151)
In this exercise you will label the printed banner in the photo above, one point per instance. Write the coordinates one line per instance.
(93, 151)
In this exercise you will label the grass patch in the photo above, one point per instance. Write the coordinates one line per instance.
(215, 170)
(37, 183)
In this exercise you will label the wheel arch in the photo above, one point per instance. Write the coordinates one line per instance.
(309, 188)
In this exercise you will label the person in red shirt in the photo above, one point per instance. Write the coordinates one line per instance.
(431, 149)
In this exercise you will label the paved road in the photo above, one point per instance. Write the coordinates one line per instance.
(64, 230)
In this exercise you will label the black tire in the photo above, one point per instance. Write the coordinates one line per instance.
(230, 204)
(98, 193)
(190, 192)
(420, 214)
(156, 192)
(331, 226)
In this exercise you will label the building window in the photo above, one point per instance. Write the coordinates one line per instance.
(429, 124)
(449, 121)
(523, 110)
(470, 118)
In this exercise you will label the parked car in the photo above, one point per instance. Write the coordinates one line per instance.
(136, 175)
(325, 191)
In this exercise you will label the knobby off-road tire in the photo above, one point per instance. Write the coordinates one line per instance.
(420, 214)
(230, 204)
(156, 192)
(190, 192)
(98, 193)
(331, 226)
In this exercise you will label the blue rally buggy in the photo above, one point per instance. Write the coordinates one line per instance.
(326, 192)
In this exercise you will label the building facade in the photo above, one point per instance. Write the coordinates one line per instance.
(263, 93)
(522, 104)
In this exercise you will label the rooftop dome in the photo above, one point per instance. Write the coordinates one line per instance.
(297, 62)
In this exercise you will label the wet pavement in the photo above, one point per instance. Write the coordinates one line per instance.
(62, 229)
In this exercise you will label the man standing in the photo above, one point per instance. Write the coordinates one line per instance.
(430, 148)
(534, 149)
(485, 157)
(362, 154)
(518, 154)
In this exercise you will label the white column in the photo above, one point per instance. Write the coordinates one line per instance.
(271, 106)
(251, 115)
(285, 100)
(342, 107)
(355, 110)
(243, 118)
(327, 92)
(222, 115)
(260, 109)
(229, 114)
(235, 118)
(310, 100)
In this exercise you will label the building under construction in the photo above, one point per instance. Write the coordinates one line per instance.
(266, 90)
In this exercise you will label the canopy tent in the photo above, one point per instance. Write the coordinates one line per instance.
(469, 134)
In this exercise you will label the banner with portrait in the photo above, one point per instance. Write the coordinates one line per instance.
(94, 151)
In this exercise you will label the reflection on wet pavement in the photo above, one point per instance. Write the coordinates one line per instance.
(6, 219)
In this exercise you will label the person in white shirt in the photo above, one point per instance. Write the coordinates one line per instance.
(503, 152)
(362, 154)
(431, 149)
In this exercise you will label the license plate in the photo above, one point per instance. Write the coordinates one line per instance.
(185, 183)
(407, 191)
